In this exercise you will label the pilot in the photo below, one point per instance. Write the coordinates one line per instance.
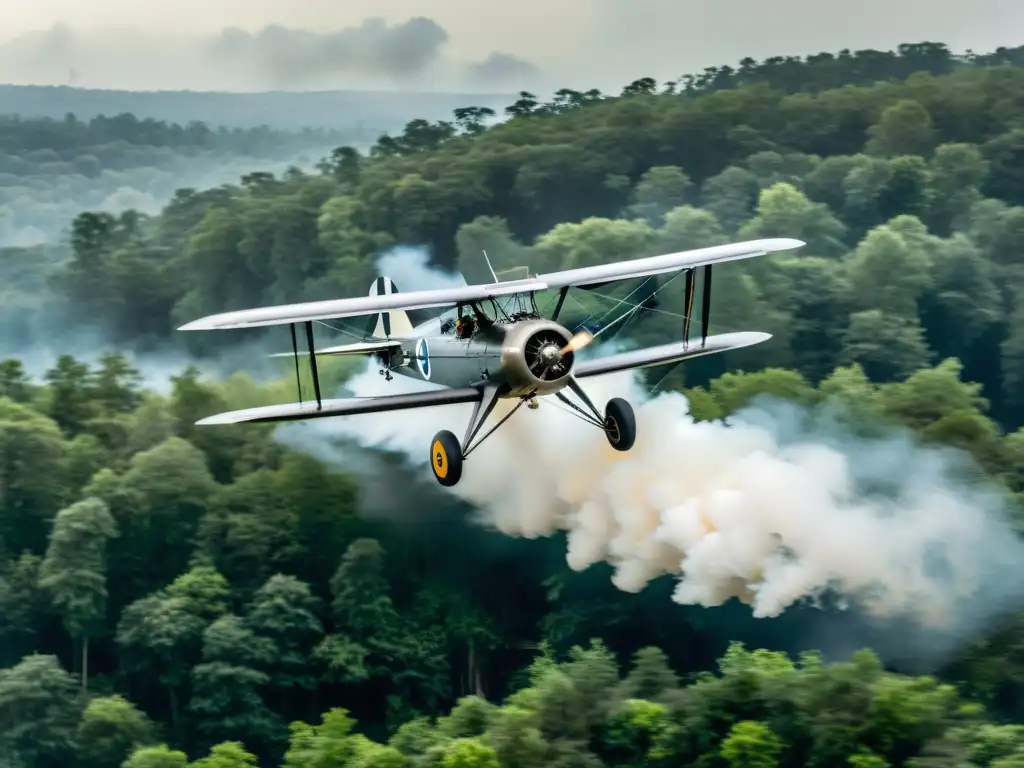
(464, 328)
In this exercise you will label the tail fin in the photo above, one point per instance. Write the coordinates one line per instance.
(387, 325)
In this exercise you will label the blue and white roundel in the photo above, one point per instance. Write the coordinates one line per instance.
(423, 358)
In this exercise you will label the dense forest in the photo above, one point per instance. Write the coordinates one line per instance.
(174, 595)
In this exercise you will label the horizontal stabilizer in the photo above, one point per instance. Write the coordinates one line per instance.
(346, 407)
(667, 353)
(359, 348)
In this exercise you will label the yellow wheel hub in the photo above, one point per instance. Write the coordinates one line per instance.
(439, 459)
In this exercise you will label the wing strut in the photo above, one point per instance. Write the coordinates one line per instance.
(561, 299)
(295, 353)
(312, 362)
(688, 306)
(705, 314)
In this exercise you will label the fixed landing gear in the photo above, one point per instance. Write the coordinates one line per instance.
(447, 454)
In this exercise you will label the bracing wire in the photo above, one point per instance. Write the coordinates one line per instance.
(564, 409)
(634, 309)
(503, 306)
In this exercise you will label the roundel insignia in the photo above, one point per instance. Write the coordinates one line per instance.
(423, 358)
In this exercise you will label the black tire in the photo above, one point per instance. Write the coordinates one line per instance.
(619, 424)
(446, 458)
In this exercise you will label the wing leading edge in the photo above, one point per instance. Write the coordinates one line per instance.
(286, 314)
(583, 276)
(345, 407)
(669, 262)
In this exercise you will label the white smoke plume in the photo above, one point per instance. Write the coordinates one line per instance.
(410, 269)
(774, 508)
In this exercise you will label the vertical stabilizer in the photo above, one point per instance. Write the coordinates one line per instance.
(391, 324)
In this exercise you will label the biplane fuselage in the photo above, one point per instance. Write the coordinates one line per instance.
(448, 360)
(510, 355)
(427, 354)
(491, 343)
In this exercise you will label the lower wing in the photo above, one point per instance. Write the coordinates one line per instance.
(346, 406)
(667, 353)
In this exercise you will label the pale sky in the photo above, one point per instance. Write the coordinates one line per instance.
(573, 42)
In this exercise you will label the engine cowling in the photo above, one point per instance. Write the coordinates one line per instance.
(530, 359)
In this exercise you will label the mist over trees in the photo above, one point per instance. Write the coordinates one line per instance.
(363, 110)
(51, 169)
(173, 595)
(64, 150)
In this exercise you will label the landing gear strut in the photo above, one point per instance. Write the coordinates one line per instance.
(447, 455)
(618, 421)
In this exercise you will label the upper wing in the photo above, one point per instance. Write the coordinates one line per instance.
(669, 262)
(346, 406)
(621, 270)
(363, 305)
(667, 353)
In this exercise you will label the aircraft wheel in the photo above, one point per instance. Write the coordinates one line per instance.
(619, 424)
(446, 458)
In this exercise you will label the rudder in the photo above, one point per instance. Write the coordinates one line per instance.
(387, 325)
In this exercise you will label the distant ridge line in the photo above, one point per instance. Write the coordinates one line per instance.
(311, 92)
(280, 110)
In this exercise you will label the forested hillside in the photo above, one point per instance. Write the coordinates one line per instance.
(915, 185)
(175, 595)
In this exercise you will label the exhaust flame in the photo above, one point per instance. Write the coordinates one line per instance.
(577, 342)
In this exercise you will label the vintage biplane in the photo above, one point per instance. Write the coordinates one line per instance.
(490, 343)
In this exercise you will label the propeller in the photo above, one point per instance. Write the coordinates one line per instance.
(543, 356)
